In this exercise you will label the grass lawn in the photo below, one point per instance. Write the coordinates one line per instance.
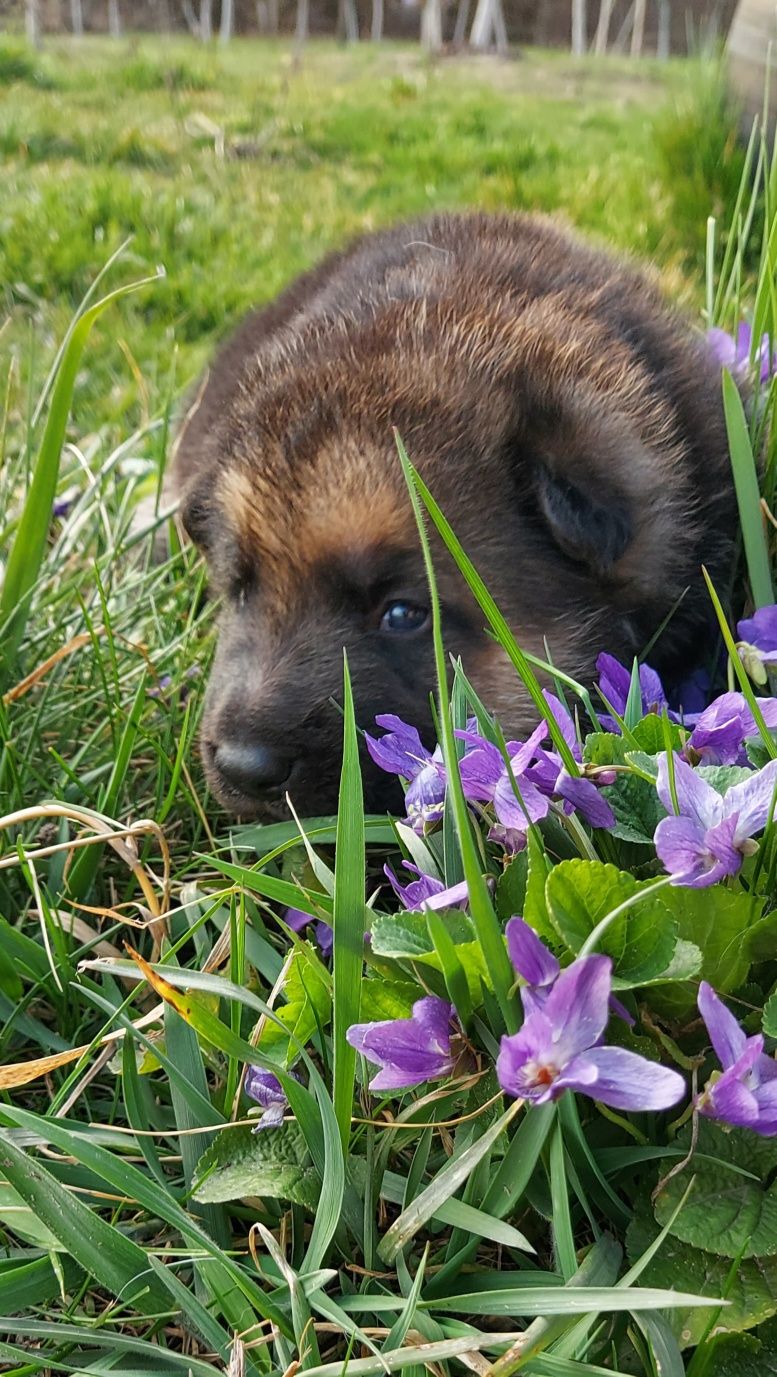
(234, 170)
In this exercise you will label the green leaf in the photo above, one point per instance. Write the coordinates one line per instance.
(717, 921)
(511, 887)
(637, 808)
(386, 999)
(641, 941)
(752, 1297)
(727, 1213)
(26, 1284)
(741, 1355)
(536, 910)
(459, 1215)
(307, 992)
(405, 936)
(721, 778)
(649, 734)
(272, 1163)
(604, 748)
(489, 931)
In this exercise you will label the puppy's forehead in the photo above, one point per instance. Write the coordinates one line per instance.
(346, 504)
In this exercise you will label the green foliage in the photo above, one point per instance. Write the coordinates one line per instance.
(728, 1212)
(641, 940)
(130, 1178)
(269, 1164)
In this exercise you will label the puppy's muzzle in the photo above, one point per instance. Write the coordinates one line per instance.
(252, 768)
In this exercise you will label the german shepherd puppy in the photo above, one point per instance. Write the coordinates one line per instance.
(569, 425)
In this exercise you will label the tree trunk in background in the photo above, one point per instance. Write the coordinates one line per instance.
(347, 21)
(76, 18)
(32, 22)
(431, 26)
(192, 22)
(664, 33)
(638, 32)
(460, 27)
(578, 27)
(619, 46)
(753, 29)
(114, 19)
(376, 27)
(488, 26)
(206, 20)
(602, 35)
(302, 25)
(227, 20)
(500, 29)
(267, 16)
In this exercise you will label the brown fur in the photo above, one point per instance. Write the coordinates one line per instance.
(569, 425)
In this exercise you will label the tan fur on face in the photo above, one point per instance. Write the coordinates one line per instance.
(568, 425)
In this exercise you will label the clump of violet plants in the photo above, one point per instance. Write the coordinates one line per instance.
(490, 1087)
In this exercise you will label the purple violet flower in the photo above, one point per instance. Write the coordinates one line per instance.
(297, 920)
(265, 1088)
(540, 969)
(615, 682)
(722, 729)
(485, 779)
(533, 962)
(426, 892)
(409, 1051)
(745, 1094)
(734, 353)
(559, 1048)
(712, 834)
(401, 752)
(758, 642)
(62, 504)
(552, 778)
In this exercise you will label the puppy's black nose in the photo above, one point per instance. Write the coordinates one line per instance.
(253, 768)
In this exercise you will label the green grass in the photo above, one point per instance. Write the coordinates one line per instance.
(234, 171)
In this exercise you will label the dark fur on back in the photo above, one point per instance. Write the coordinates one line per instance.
(569, 425)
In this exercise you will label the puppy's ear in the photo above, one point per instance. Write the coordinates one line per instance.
(586, 474)
(595, 529)
(195, 514)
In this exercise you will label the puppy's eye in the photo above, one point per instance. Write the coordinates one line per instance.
(404, 616)
(241, 588)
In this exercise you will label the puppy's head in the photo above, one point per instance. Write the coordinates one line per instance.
(557, 469)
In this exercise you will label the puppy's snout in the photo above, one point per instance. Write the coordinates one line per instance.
(254, 768)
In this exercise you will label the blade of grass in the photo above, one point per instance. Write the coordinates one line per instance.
(563, 1236)
(444, 1185)
(348, 923)
(113, 1259)
(507, 1186)
(123, 1176)
(504, 635)
(29, 545)
(598, 1268)
(486, 923)
(743, 468)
